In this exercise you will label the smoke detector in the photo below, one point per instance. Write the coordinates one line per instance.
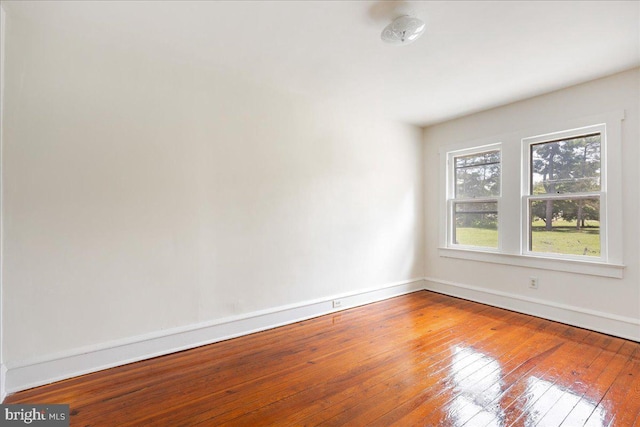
(403, 30)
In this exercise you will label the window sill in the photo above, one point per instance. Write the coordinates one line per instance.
(571, 266)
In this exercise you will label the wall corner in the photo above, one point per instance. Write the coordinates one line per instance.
(3, 382)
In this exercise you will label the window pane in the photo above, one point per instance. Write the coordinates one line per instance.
(570, 227)
(567, 166)
(476, 224)
(478, 175)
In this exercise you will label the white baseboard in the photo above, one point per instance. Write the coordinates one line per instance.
(3, 382)
(33, 373)
(620, 326)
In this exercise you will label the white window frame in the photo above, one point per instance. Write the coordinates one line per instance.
(452, 200)
(527, 196)
(512, 209)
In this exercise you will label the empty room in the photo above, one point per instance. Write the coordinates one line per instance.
(301, 213)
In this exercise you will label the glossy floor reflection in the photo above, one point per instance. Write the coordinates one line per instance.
(477, 385)
(549, 405)
(478, 388)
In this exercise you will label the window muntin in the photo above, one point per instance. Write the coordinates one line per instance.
(563, 208)
(477, 175)
(474, 195)
(566, 166)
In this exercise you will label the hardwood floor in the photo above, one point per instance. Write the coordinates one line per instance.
(420, 359)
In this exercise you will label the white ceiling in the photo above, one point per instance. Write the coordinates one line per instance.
(474, 55)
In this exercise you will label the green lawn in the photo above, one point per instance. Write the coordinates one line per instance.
(566, 239)
(563, 239)
(485, 237)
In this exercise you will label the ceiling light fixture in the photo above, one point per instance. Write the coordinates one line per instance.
(403, 30)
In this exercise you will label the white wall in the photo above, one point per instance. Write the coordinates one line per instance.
(144, 195)
(608, 304)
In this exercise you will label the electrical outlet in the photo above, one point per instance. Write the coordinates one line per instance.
(337, 303)
(533, 282)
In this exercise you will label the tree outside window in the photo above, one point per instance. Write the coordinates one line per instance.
(474, 207)
(565, 186)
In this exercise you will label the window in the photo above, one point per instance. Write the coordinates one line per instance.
(474, 195)
(564, 201)
(551, 201)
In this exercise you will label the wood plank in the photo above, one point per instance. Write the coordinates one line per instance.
(549, 381)
(467, 362)
(419, 359)
(399, 390)
(266, 393)
(596, 389)
(612, 409)
(574, 400)
(486, 386)
(357, 384)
